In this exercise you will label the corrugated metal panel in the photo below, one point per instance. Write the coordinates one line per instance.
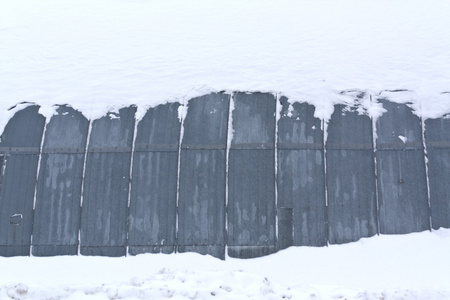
(350, 176)
(285, 217)
(105, 197)
(300, 177)
(201, 211)
(402, 184)
(251, 177)
(19, 146)
(57, 212)
(154, 182)
(437, 135)
(150, 221)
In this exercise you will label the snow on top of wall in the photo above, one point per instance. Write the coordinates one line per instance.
(106, 54)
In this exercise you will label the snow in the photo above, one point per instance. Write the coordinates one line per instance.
(101, 55)
(105, 54)
(387, 266)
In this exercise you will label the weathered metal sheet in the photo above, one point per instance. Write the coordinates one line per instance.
(402, 183)
(153, 200)
(107, 176)
(285, 217)
(19, 149)
(251, 177)
(437, 136)
(201, 205)
(300, 175)
(352, 208)
(57, 210)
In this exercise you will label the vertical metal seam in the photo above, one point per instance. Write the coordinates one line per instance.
(133, 145)
(427, 178)
(277, 114)
(36, 178)
(325, 179)
(227, 155)
(83, 182)
(180, 140)
(375, 154)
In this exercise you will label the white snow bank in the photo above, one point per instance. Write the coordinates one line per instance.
(390, 267)
(104, 54)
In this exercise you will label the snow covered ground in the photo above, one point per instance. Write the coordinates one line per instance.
(413, 266)
(105, 54)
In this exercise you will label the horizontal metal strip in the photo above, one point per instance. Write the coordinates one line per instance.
(204, 147)
(201, 245)
(336, 146)
(300, 146)
(151, 150)
(153, 245)
(151, 147)
(438, 145)
(102, 246)
(415, 145)
(21, 150)
(254, 146)
(109, 149)
(399, 149)
(52, 245)
(252, 246)
(63, 150)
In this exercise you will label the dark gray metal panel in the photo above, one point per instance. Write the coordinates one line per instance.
(57, 211)
(285, 227)
(300, 177)
(217, 251)
(402, 183)
(298, 128)
(251, 177)
(154, 182)
(24, 130)
(350, 130)
(201, 205)
(201, 212)
(398, 128)
(437, 136)
(19, 146)
(350, 177)
(105, 197)
(207, 121)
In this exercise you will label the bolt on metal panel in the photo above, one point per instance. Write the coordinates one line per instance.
(437, 136)
(104, 211)
(350, 176)
(19, 148)
(152, 226)
(201, 205)
(251, 177)
(402, 183)
(57, 211)
(300, 175)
